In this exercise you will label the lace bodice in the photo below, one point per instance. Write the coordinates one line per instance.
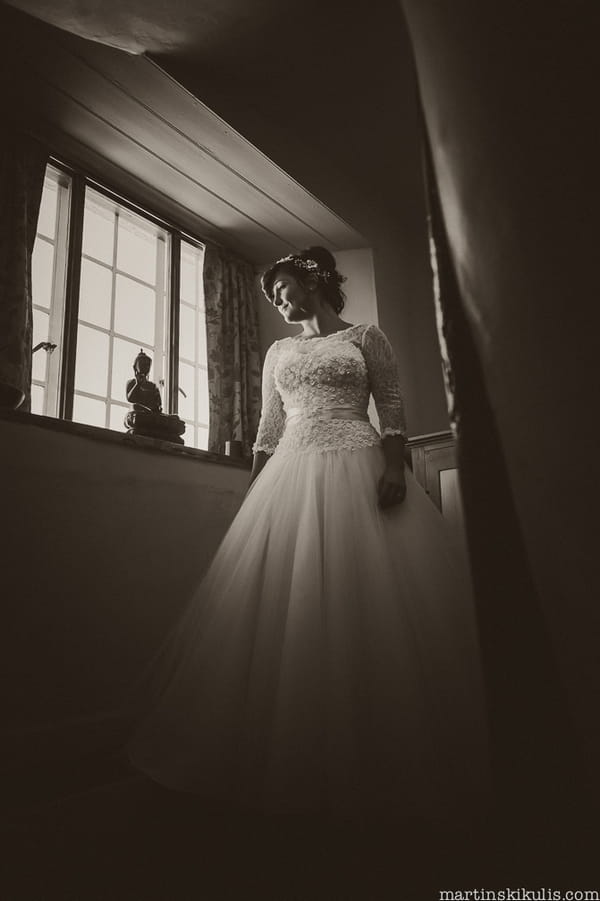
(311, 375)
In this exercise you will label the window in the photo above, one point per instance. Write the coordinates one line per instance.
(122, 307)
(109, 280)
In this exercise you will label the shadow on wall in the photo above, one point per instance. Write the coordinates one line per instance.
(103, 551)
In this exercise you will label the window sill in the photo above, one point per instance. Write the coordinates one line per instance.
(136, 442)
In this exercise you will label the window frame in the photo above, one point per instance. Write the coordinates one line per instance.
(56, 310)
(79, 182)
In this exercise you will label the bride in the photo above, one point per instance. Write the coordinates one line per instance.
(328, 660)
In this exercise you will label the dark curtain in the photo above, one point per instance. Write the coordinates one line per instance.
(532, 733)
(234, 363)
(22, 168)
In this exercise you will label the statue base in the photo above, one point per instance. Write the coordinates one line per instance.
(166, 426)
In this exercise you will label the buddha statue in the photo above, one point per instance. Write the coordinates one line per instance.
(141, 392)
(147, 418)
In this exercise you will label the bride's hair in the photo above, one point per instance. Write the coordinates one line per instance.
(315, 261)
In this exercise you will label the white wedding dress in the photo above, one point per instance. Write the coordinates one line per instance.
(328, 660)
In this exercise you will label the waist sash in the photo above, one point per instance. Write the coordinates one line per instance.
(341, 412)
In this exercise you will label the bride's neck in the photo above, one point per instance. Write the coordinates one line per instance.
(323, 322)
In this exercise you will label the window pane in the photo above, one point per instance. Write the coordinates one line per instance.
(117, 415)
(98, 227)
(124, 354)
(192, 344)
(186, 383)
(89, 410)
(189, 436)
(187, 326)
(202, 438)
(47, 218)
(91, 370)
(41, 273)
(41, 326)
(38, 396)
(133, 314)
(188, 274)
(134, 310)
(202, 396)
(136, 248)
(95, 294)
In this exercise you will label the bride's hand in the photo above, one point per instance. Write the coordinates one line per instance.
(391, 488)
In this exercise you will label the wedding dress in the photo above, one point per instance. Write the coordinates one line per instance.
(328, 660)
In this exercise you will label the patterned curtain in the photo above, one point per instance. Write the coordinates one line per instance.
(234, 364)
(22, 168)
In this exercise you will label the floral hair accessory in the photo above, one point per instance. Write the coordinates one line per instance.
(308, 265)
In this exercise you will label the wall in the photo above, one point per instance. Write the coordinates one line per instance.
(83, 616)
(359, 287)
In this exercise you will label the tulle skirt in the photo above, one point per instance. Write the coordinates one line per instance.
(328, 661)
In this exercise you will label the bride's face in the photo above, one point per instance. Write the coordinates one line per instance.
(291, 298)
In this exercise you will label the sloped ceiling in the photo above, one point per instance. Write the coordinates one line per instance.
(325, 88)
(120, 114)
(152, 26)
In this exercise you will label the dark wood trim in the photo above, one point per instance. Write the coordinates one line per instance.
(431, 438)
(69, 350)
(428, 456)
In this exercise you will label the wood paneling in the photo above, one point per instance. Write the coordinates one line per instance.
(429, 456)
(434, 465)
(124, 111)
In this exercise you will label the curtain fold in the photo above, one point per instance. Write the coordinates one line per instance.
(22, 168)
(233, 351)
(527, 698)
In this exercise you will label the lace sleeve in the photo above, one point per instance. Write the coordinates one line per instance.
(272, 417)
(384, 381)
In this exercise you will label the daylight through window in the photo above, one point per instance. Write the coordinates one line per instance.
(125, 276)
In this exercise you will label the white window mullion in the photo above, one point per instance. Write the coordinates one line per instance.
(159, 312)
(113, 301)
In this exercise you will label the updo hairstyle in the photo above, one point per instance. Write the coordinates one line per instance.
(315, 261)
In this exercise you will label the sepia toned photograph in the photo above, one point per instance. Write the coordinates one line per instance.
(298, 451)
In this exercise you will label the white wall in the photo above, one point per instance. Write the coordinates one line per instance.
(361, 297)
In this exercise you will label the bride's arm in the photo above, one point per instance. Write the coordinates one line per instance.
(272, 417)
(384, 382)
(260, 458)
(392, 485)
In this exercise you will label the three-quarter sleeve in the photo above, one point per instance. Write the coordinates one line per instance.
(272, 417)
(384, 381)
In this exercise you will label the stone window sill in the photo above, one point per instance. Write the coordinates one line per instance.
(135, 442)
